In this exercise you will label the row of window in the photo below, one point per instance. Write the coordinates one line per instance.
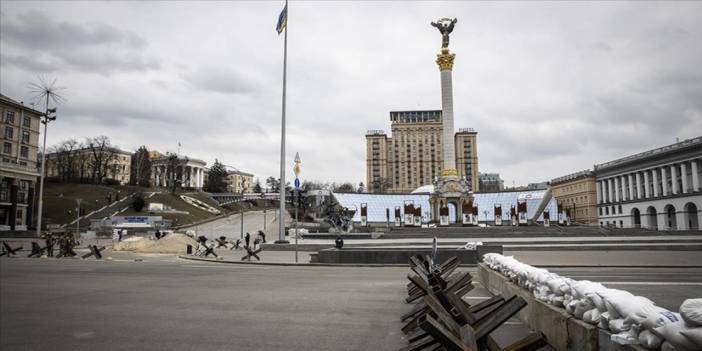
(10, 119)
(614, 210)
(10, 134)
(7, 149)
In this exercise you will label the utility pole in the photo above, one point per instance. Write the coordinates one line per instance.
(45, 119)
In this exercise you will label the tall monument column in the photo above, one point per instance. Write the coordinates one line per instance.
(451, 194)
(445, 62)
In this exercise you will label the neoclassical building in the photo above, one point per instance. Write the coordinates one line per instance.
(185, 171)
(18, 164)
(657, 189)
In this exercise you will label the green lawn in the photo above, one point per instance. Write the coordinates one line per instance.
(60, 199)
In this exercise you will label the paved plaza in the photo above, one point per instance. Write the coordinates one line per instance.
(160, 302)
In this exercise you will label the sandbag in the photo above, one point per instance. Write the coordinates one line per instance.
(691, 312)
(652, 316)
(672, 333)
(622, 303)
(581, 307)
(630, 337)
(592, 316)
(617, 326)
(649, 340)
(694, 335)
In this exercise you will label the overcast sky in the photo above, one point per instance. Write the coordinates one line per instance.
(551, 88)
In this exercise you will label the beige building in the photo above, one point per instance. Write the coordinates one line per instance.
(238, 181)
(413, 156)
(84, 165)
(577, 195)
(18, 164)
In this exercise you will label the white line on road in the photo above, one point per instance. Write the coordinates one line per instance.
(653, 283)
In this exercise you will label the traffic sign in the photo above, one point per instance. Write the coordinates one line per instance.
(297, 183)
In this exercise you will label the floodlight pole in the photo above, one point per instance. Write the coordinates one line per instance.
(45, 119)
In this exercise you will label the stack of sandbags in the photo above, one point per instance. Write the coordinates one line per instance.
(631, 319)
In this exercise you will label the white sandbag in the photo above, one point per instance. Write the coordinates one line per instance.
(555, 284)
(672, 333)
(691, 311)
(617, 326)
(630, 337)
(604, 321)
(597, 301)
(694, 335)
(660, 319)
(621, 304)
(581, 307)
(555, 300)
(570, 306)
(592, 316)
(651, 316)
(649, 340)
(580, 288)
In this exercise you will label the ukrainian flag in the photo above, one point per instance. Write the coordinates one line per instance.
(282, 19)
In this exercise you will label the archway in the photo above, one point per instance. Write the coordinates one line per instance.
(652, 215)
(692, 216)
(635, 218)
(452, 212)
(670, 219)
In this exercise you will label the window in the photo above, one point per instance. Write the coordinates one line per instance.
(10, 117)
(24, 151)
(27, 123)
(25, 136)
(7, 148)
(9, 132)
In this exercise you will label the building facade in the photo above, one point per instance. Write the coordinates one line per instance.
(576, 194)
(238, 181)
(169, 170)
(18, 164)
(656, 189)
(413, 156)
(490, 182)
(83, 164)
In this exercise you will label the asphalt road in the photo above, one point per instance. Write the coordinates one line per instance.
(163, 303)
(231, 226)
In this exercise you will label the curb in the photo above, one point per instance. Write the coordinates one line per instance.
(317, 264)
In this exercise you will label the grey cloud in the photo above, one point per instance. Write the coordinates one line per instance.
(35, 30)
(220, 80)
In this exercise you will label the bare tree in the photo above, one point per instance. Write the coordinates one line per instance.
(66, 159)
(102, 158)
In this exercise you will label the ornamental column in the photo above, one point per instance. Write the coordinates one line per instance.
(445, 62)
(695, 176)
(683, 177)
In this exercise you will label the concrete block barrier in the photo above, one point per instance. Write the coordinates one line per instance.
(562, 331)
(401, 255)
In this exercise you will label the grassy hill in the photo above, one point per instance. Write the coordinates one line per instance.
(60, 203)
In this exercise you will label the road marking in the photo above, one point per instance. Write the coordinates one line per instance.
(653, 283)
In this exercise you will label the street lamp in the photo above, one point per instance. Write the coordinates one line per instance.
(78, 216)
(46, 118)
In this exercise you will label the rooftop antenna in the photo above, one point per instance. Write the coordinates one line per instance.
(45, 92)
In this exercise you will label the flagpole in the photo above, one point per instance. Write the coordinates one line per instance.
(281, 222)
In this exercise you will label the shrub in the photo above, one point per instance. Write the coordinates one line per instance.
(138, 203)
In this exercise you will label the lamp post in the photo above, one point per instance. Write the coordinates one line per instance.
(49, 116)
(78, 201)
(296, 199)
(241, 206)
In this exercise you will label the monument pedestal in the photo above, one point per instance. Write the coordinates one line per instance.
(450, 193)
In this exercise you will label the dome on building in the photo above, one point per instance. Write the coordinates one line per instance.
(424, 189)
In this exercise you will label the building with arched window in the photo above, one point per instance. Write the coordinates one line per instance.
(656, 189)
